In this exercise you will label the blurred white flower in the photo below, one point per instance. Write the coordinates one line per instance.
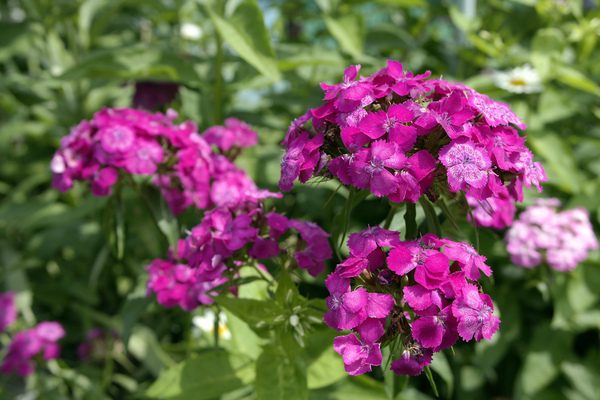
(523, 79)
(206, 323)
(17, 14)
(190, 31)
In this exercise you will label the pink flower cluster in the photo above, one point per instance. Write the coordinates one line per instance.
(213, 251)
(177, 284)
(8, 310)
(27, 344)
(542, 234)
(424, 291)
(182, 162)
(395, 133)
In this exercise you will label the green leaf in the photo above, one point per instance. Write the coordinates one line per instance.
(405, 3)
(168, 225)
(246, 33)
(324, 365)
(277, 378)
(257, 289)
(431, 217)
(431, 380)
(359, 387)
(292, 56)
(327, 369)
(546, 47)
(583, 378)
(243, 339)
(206, 376)
(87, 12)
(134, 306)
(441, 366)
(259, 315)
(576, 79)
(140, 61)
(559, 158)
(554, 106)
(349, 31)
(287, 291)
(547, 349)
(144, 346)
(13, 39)
(462, 22)
(572, 296)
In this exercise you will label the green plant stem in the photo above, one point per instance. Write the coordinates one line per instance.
(390, 217)
(107, 373)
(218, 78)
(410, 218)
(148, 206)
(431, 217)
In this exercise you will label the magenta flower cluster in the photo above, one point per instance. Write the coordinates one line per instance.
(182, 163)
(421, 293)
(402, 136)
(26, 345)
(213, 251)
(8, 310)
(543, 234)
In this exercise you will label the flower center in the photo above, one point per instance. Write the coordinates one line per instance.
(389, 123)
(518, 82)
(336, 301)
(376, 165)
(483, 314)
(420, 258)
(144, 154)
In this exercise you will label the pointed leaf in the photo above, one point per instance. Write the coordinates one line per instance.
(207, 376)
(247, 35)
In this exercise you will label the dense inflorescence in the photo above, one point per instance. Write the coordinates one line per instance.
(215, 249)
(191, 170)
(25, 345)
(543, 234)
(404, 136)
(418, 296)
(119, 143)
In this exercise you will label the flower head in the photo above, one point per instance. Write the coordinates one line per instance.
(524, 79)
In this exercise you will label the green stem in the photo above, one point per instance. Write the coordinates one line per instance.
(218, 79)
(108, 361)
(431, 217)
(216, 327)
(410, 218)
(148, 206)
(390, 217)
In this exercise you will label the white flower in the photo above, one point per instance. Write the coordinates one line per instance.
(206, 323)
(190, 31)
(523, 79)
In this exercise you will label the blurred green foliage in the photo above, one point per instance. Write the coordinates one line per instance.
(63, 60)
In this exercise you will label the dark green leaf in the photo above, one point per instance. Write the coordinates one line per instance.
(206, 376)
(278, 378)
(134, 62)
(134, 306)
(348, 31)
(559, 158)
(245, 32)
(259, 315)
